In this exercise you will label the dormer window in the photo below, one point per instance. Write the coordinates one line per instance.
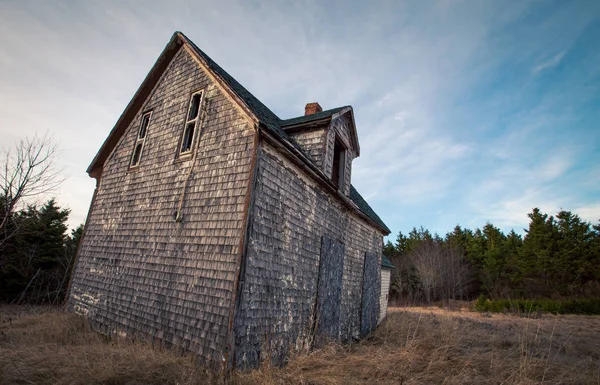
(191, 124)
(339, 163)
(138, 147)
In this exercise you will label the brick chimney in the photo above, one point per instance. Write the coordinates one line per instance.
(312, 108)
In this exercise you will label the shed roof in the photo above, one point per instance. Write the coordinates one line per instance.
(386, 263)
(265, 116)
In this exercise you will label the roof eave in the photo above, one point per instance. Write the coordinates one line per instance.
(306, 125)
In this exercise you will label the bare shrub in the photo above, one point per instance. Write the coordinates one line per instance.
(441, 271)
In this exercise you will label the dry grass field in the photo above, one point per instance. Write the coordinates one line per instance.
(413, 346)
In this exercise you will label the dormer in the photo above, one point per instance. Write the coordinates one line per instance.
(329, 138)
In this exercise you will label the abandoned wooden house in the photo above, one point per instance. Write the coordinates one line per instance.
(221, 229)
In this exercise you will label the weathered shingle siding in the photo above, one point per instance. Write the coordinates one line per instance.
(138, 271)
(291, 213)
(313, 144)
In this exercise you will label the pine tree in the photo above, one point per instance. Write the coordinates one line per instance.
(538, 255)
(33, 268)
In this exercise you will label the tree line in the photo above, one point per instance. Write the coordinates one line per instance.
(36, 262)
(558, 257)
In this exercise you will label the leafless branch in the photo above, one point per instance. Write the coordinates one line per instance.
(29, 171)
(441, 270)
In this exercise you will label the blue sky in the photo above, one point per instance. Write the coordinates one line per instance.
(467, 111)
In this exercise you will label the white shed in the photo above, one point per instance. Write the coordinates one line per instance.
(386, 273)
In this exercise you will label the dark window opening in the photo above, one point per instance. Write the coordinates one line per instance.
(144, 126)
(194, 106)
(138, 146)
(188, 137)
(337, 172)
(192, 126)
(137, 153)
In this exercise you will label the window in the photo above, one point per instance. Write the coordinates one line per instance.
(140, 140)
(339, 163)
(191, 124)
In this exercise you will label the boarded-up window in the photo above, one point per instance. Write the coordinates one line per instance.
(140, 140)
(370, 294)
(190, 130)
(329, 290)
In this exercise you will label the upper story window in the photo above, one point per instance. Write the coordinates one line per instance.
(339, 164)
(138, 147)
(191, 124)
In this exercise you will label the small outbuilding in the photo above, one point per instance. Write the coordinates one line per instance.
(221, 229)
(386, 272)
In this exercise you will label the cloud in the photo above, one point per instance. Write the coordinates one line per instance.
(549, 63)
(505, 194)
(589, 213)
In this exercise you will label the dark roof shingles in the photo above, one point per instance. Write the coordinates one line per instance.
(262, 112)
(387, 263)
(365, 208)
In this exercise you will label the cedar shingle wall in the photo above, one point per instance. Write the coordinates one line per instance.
(137, 269)
(313, 144)
(291, 214)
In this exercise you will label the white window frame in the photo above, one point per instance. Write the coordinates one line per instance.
(140, 141)
(188, 121)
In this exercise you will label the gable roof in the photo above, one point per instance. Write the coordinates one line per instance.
(302, 122)
(265, 116)
(387, 263)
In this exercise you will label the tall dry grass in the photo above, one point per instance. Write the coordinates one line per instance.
(433, 346)
(47, 346)
(413, 346)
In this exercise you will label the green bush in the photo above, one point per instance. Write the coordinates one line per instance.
(590, 306)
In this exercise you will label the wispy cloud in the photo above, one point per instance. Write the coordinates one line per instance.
(549, 63)
(589, 213)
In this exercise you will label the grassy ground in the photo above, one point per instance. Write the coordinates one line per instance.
(413, 346)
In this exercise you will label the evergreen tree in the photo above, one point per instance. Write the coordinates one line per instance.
(389, 250)
(34, 267)
(512, 248)
(493, 261)
(459, 238)
(538, 254)
(575, 260)
(401, 243)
